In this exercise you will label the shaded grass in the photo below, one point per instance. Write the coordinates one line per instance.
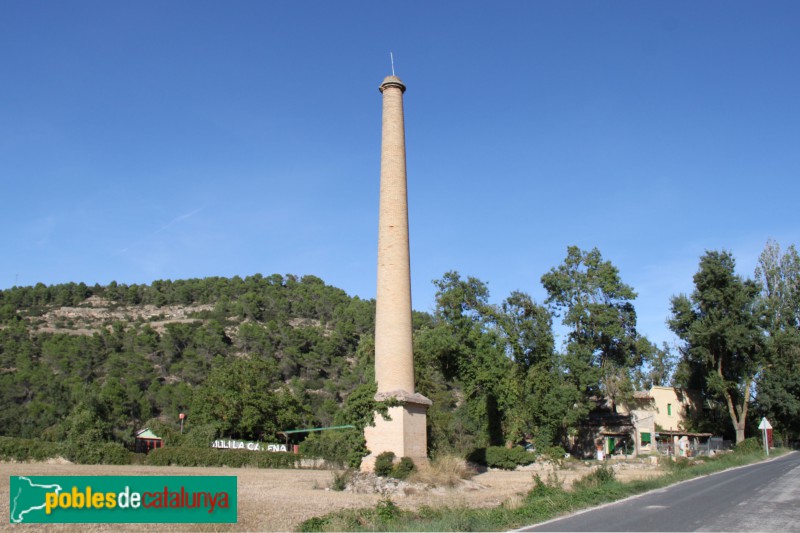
(545, 500)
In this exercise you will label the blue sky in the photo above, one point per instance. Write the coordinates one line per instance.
(167, 140)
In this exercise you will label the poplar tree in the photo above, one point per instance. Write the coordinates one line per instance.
(723, 346)
(778, 385)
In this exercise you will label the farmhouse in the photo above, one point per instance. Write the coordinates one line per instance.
(654, 421)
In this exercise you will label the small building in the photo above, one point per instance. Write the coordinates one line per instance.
(604, 429)
(146, 440)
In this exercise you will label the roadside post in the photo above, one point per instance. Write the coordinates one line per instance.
(764, 426)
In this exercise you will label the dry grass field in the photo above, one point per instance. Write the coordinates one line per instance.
(278, 500)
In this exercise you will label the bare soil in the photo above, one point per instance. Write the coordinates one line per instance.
(278, 500)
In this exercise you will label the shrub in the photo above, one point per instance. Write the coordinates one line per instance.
(314, 524)
(403, 469)
(386, 509)
(508, 458)
(273, 459)
(676, 464)
(384, 463)
(501, 457)
(341, 479)
(555, 454)
(477, 456)
(543, 489)
(113, 453)
(751, 445)
(340, 448)
(601, 475)
(444, 471)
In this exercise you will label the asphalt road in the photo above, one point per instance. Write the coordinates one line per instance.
(760, 497)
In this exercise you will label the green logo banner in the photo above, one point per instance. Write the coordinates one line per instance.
(122, 499)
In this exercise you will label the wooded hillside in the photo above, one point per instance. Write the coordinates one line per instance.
(247, 358)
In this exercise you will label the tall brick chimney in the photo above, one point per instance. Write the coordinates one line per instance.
(405, 434)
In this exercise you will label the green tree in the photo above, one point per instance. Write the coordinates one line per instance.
(245, 399)
(659, 365)
(778, 385)
(723, 347)
(528, 328)
(603, 347)
(537, 396)
(471, 350)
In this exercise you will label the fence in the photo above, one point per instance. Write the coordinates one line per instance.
(666, 446)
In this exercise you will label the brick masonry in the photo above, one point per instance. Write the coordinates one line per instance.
(405, 433)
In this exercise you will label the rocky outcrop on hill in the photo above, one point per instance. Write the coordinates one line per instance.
(96, 314)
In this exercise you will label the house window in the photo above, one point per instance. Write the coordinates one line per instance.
(669, 409)
(645, 438)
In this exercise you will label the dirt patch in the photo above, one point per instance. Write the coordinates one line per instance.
(278, 500)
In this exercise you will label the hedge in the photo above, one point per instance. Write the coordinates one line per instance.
(501, 457)
(213, 457)
(109, 453)
(29, 449)
(113, 453)
(103, 453)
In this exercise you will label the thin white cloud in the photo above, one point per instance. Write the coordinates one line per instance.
(169, 224)
(178, 219)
